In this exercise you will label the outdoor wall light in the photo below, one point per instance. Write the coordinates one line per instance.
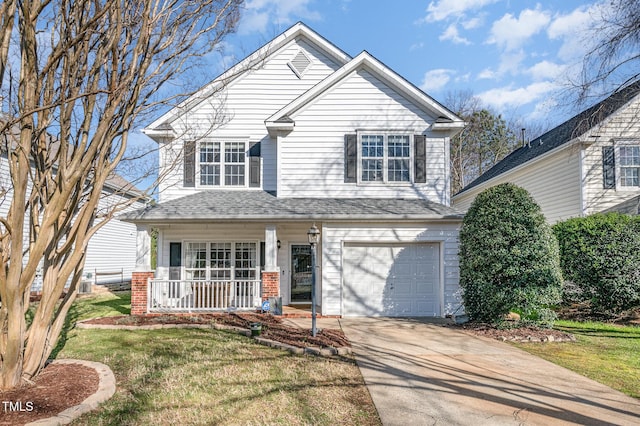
(279, 244)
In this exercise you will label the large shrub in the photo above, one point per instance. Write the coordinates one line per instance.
(508, 258)
(600, 254)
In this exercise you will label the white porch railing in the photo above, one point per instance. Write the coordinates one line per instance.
(189, 296)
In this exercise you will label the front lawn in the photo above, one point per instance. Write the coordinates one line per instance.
(195, 376)
(606, 353)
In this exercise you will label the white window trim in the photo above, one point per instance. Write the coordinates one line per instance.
(222, 163)
(616, 154)
(385, 159)
(184, 267)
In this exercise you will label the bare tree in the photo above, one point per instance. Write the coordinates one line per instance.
(88, 69)
(482, 143)
(614, 61)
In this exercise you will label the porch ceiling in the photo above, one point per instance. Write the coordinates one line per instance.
(260, 205)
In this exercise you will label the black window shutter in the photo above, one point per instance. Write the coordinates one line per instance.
(189, 164)
(420, 158)
(608, 167)
(254, 165)
(350, 158)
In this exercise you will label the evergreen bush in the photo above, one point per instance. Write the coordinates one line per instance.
(508, 258)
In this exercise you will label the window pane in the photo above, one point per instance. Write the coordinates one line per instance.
(234, 152)
(220, 262)
(209, 174)
(209, 152)
(372, 146)
(196, 261)
(372, 170)
(398, 170)
(630, 176)
(234, 175)
(398, 146)
(246, 260)
(630, 155)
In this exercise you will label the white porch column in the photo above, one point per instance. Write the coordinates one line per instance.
(271, 249)
(143, 248)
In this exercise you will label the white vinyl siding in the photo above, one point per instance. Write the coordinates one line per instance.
(312, 156)
(239, 111)
(554, 182)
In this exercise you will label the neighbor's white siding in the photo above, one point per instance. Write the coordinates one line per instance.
(622, 127)
(553, 181)
(243, 106)
(312, 156)
(112, 248)
(334, 236)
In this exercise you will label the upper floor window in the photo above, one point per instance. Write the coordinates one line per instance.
(385, 158)
(222, 163)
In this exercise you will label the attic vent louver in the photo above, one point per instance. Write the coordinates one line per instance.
(300, 64)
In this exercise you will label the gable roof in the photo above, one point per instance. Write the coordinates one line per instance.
(261, 205)
(560, 135)
(445, 119)
(161, 127)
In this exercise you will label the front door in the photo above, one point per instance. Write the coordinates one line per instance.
(300, 273)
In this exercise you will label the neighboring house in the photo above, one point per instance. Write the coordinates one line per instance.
(588, 164)
(300, 133)
(111, 252)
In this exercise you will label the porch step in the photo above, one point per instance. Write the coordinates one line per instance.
(294, 312)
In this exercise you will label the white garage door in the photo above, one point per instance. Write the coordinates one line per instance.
(391, 280)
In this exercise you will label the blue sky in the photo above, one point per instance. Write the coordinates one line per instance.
(513, 55)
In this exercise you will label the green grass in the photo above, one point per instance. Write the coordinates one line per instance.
(606, 353)
(195, 376)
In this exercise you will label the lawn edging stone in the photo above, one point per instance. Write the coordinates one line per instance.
(106, 389)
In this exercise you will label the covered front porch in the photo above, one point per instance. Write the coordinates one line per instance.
(209, 267)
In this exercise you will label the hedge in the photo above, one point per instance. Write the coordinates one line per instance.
(600, 255)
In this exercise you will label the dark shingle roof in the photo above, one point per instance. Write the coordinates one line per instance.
(561, 134)
(260, 205)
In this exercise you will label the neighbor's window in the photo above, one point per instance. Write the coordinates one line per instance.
(222, 163)
(385, 158)
(629, 158)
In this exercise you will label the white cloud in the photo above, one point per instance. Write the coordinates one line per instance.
(451, 33)
(503, 97)
(546, 70)
(416, 46)
(259, 14)
(436, 79)
(573, 29)
(510, 32)
(510, 63)
(487, 74)
(475, 22)
(442, 9)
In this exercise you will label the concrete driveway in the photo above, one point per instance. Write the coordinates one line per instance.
(422, 373)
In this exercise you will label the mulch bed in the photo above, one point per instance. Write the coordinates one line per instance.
(519, 334)
(272, 327)
(56, 388)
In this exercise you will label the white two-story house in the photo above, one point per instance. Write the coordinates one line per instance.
(300, 133)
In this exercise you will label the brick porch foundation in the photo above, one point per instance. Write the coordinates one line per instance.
(270, 285)
(139, 282)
